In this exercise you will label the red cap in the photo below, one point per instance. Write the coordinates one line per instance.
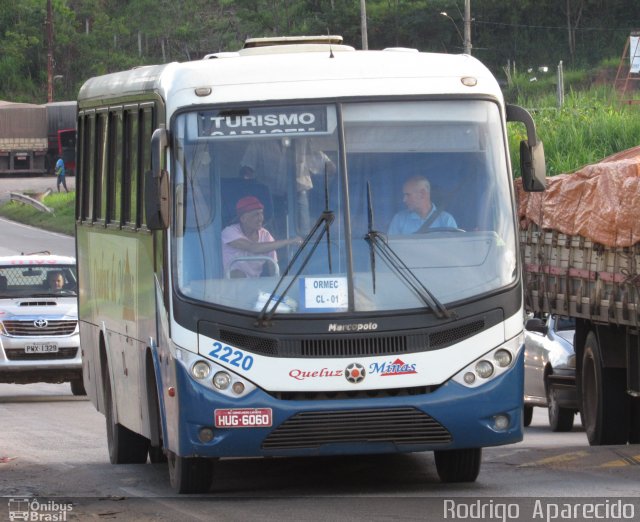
(248, 204)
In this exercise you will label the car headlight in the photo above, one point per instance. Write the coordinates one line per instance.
(490, 365)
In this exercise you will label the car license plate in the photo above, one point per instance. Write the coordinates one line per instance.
(243, 418)
(41, 348)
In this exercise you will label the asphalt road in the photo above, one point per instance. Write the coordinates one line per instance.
(53, 445)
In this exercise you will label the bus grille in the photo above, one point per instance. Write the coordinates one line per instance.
(351, 394)
(359, 346)
(455, 334)
(354, 345)
(28, 328)
(18, 354)
(392, 425)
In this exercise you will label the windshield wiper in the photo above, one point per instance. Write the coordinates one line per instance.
(322, 224)
(378, 243)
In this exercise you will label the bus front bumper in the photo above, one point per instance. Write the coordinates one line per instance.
(451, 417)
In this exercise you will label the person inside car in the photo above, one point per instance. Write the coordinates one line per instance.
(55, 281)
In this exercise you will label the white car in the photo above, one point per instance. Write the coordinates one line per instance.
(39, 337)
(550, 370)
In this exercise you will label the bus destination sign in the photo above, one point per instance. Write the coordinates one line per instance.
(263, 121)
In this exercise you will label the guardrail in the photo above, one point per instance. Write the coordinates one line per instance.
(28, 200)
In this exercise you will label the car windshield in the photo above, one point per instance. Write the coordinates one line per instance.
(34, 280)
(399, 205)
(565, 323)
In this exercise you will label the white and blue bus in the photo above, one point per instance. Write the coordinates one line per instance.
(242, 290)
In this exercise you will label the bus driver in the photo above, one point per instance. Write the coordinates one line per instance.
(416, 195)
(247, 237)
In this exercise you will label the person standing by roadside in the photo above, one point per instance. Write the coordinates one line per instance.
(60, 173)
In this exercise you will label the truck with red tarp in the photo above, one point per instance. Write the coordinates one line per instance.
(580, 245)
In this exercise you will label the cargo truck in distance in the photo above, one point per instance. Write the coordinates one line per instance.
(33, 137)
(23, 139)
(580, 244)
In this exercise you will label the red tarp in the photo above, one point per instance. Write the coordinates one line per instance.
(600, 202)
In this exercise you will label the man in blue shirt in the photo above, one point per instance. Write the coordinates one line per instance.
(416, 195)
(60, 172)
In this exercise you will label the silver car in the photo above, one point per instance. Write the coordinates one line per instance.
(550, 370)
(39, 339)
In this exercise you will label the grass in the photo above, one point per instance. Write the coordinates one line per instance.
(62, 220)
(590, 126)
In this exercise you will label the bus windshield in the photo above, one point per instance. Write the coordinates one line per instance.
(353, 207)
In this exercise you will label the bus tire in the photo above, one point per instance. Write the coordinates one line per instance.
(604, 401)
(77, 387)
(560, 419)
(157, 455)
(527, 415)
(190, 474)
(460, 465)
(125, 446)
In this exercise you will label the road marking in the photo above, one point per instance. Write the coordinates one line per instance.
(626, 460)
(557, 459)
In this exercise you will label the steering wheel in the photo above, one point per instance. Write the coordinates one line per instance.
(439, 229)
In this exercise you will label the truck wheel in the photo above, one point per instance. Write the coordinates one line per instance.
(77, 387)
(527, 415)
(560, 419)
(634, 420)
(190, 474)
(460, 465)
(604, 401)
(125, 446)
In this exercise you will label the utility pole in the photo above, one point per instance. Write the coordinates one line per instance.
(467, 26)
(363, 24)
(49, 26)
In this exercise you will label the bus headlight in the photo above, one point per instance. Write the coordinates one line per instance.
(502, 357)
(491, 364)
(201, 370)
(484, 369)
(222, 380)
(213, 376)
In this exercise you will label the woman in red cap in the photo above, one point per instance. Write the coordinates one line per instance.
(248, 237)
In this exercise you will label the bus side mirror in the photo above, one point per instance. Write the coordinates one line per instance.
(532, 163)
(532, 166)
(156, 182)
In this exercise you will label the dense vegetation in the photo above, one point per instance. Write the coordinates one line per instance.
(96, 36)
(513, 38)
(591, 125)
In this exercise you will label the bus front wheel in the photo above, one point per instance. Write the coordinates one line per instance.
(460, 465)
(190, 474)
